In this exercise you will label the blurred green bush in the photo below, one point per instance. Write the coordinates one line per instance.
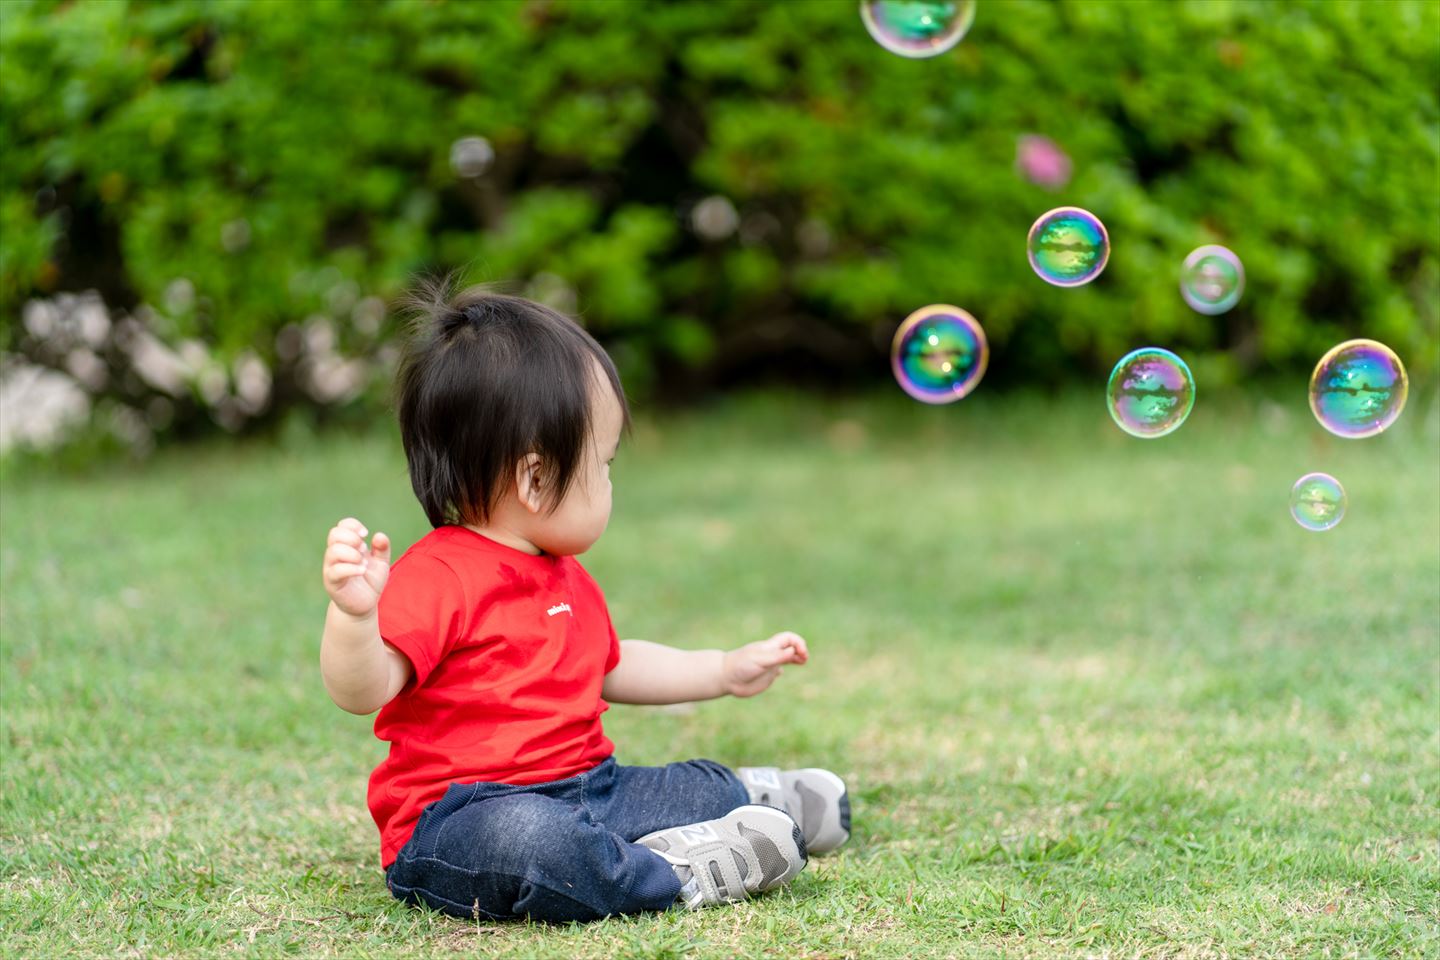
(721, 190)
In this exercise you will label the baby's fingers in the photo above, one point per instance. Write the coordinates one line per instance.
(350, 523)
(337, 573)
(799, 651)
(344, 553)
(380, 545)
(770, 656)
(344, 534)
(786, 647)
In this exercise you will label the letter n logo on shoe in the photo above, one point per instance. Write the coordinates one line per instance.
(699, 833)
(764, 778)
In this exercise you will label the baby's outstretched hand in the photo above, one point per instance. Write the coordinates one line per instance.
(752, 668)
(354, 573)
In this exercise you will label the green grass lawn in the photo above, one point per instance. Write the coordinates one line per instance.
(1093, 695)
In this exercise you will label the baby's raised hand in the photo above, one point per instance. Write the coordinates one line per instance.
(752, 668)
(354, 573)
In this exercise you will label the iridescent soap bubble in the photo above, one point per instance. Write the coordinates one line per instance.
(1358, 388)
(1068, 246)
(1150, 392)
(1212, 279)
(917, 28)
(939, 353)
(1317, 501)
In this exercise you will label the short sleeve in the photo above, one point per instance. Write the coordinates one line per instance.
(422, 611)
(612, 660)
(587, 584)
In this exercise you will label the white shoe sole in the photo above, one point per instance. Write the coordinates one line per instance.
(832, 833)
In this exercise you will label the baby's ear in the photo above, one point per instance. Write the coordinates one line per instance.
(529, 482)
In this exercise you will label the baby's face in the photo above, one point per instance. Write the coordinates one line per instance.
(581, 517)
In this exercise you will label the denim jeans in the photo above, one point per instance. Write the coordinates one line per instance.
(562, 850)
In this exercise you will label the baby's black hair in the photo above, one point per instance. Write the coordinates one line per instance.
(486, 379)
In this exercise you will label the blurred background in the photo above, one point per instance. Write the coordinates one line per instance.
(208, 208)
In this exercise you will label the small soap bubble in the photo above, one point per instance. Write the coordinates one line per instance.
(1317, 501)
(1068, 246)
(939, 354)
(1212, 279)
(1358, 389)
(917, 28)
(1150, 392)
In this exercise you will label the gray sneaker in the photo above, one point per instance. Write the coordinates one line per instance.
(750, 850)
(815, 798)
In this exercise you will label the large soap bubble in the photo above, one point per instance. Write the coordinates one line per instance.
(1068, 246)
(939, 353)
(1358, 388)
(1150, 392)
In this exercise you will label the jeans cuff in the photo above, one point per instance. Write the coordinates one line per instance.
(656, 889)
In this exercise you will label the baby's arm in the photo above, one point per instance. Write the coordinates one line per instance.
(362, 673)
(654, 673)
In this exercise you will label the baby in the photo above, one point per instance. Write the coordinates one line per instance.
(490, 654)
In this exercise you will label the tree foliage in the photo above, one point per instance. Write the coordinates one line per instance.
(286, 161)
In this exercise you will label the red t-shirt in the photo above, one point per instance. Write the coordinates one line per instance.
(509, 652)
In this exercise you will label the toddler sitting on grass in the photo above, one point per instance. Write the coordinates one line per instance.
(490, 654)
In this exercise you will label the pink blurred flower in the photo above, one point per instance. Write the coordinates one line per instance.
(1041, 161)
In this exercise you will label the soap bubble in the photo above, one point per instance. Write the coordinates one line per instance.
(1358, 388)
(1317, 501)
(1212, 279)
(939, 353)
(1068, 246)
(1150, 392)
(917, 28)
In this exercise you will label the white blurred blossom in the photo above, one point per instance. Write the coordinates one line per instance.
(342, 296)
(68, 320)
(86, 367)
(368, 314)
(194, 355)
(212, 381)
(470, 157)
(38, 407)
(157, 364)
(41, 318)
(714, 218)
(91, 318)
(179, 295)
(319, 334)
(336, 380)
(252, 382)
(235, 235)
